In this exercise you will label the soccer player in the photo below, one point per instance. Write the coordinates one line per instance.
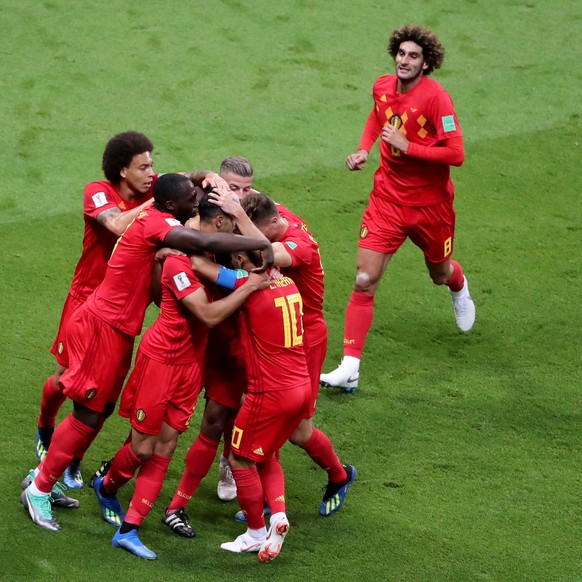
(278, 397)
(108, 208)
(101, 332)
(162, 390)
(297, 255)
(413, 193)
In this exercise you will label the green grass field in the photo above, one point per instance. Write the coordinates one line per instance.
(468, 447)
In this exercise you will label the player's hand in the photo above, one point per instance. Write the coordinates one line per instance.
(395, 138)
(166, 252)
(212, 180)
(356, 161)
(226, 199)
(258, 281)
(267, 259)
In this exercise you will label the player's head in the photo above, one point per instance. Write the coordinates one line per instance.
(238, 173)
(174, 193)
(128, 158)
(212, 217)
(246, 260)
(432, 53)
(264, 214)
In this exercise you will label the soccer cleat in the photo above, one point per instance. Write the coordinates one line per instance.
(271, 547)
(464, 307)
(41, 447)
(342, 378)
(179, 523)
(58, 497)
(242, 518)
(130, 541)
(72, 477)
(244, 543)
(39, 509)
(335, 493)
(101, 472)
(110, 507)
(226, 488)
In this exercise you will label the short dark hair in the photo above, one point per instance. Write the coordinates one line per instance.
(236, 165)
(433, 52)
(120, 150)
(259, 207)
(208, 210)
(171, 187)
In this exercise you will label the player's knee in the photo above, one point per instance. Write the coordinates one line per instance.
(166, 448)
(439, 278)
(108, 410)
(143, 452)
(364, 282)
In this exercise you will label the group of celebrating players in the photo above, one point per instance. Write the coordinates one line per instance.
(239, 283)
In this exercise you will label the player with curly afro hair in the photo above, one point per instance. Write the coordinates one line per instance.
(433, 52)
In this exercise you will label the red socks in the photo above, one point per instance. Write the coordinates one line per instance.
(456, 281)
(199, 459)
(52, 400)
(148, 485)
(70, 439)
(250, 495)
(273, 483)
(359, 315)
(320, 449)
(123, 468)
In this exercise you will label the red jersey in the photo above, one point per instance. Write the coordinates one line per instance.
(272, 337)
(98, 241)
(124, 295)
(307, 273)
(177, 336)
(426, 116)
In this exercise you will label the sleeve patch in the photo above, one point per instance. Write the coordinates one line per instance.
(291, 244)
(182, 282)
(173, 222)
(241, 274)
(449, 123)
(99, 199)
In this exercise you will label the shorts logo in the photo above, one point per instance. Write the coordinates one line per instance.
(259, 451)
(364, 232)
(91, 393)
(60, 348)
(140, 415)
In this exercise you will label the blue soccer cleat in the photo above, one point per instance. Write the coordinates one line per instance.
(240, 515)
(72, 477)
(110, 507)
(130, 541)
(335, 493)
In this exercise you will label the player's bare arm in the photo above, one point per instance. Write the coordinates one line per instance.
(192, 242)
(282, 258)
(116, 221)
(213, 313)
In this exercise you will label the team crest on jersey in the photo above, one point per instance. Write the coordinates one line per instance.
(364, 231)
(173, 222)
(140, 415)
(60, 348)
(99, 199)
(181, 280)
(396, 121)
(91, 393)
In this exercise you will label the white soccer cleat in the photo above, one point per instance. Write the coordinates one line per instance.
(226, 488)
(273, 543)
(464, 307)
(341, 377)
(243, 544)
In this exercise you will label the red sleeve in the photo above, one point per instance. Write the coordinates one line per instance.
(372, 130)
(178, 277)
(159, 226)
(96, 199)
(452, 152)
